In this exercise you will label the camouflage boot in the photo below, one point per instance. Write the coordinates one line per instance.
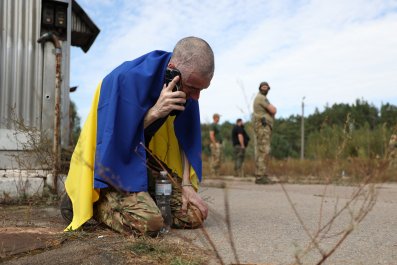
(263, 180)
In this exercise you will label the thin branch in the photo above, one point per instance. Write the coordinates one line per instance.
(313, 239)
(228, 224)
(327, 255)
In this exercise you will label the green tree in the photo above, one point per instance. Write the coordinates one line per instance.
(325, 131)
(363, 113)
(388, 115)
(286, 137)
(74, 124)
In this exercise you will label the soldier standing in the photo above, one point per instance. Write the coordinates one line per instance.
(264, 113)
(240, 141)
(215, 145)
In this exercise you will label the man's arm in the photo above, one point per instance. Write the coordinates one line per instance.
(189, 195)
(186, 171)
(241, 140)
(212, 136)
(271, 109)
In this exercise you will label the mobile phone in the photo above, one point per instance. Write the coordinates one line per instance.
(170, 74)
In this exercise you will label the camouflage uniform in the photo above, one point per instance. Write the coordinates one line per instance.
(216, 151)
(134, 213)
(137, 212)
(216, 154)
(263, 124)
(239, 155)
(392, 151)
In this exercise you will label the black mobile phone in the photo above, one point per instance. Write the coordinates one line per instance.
(171, 74)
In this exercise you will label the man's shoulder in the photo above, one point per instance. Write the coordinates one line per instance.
(260, 97)
(238, 129)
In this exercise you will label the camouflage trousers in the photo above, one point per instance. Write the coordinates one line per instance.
(392, 152)
(239, 155)
(392, 157)
(263, 136)
(137, 213)
(216, 157)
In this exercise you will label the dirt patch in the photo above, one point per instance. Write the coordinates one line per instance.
(16, 240)
(34, 235)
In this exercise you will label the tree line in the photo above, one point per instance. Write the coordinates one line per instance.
(339, 131)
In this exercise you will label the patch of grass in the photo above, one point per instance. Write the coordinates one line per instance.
(159, 251)
(76, 234)
(180, 261)
(320, 171)
(144, 248)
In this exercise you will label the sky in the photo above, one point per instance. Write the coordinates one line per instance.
(314, 52)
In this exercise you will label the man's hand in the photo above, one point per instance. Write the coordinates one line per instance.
(167, 102)
(189, 195)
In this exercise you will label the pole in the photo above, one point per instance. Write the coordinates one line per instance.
(303, 130)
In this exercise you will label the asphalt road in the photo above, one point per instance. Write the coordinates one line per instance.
(267, 231)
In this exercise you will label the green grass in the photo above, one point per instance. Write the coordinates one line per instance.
(158, 251)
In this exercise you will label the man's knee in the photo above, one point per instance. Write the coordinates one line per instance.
(154, 223)
(144, 216)
(134, 213)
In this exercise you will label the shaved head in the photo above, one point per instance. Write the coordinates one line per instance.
(194, 54)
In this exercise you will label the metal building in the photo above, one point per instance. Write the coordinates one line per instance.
(31, 71)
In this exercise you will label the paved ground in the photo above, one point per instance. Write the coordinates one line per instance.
(264, 227)
(266, 230)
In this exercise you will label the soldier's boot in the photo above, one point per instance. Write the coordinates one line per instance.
(263, 179)
(66, 208)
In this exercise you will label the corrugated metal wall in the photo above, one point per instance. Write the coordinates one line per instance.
(27, 76)
(21, 62)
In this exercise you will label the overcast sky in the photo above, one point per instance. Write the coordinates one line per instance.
(329, 52)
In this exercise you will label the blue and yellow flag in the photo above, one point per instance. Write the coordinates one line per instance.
(110, 148)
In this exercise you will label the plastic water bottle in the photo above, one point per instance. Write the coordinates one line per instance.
(163, 197)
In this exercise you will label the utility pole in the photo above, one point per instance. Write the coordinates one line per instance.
(303, 130)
